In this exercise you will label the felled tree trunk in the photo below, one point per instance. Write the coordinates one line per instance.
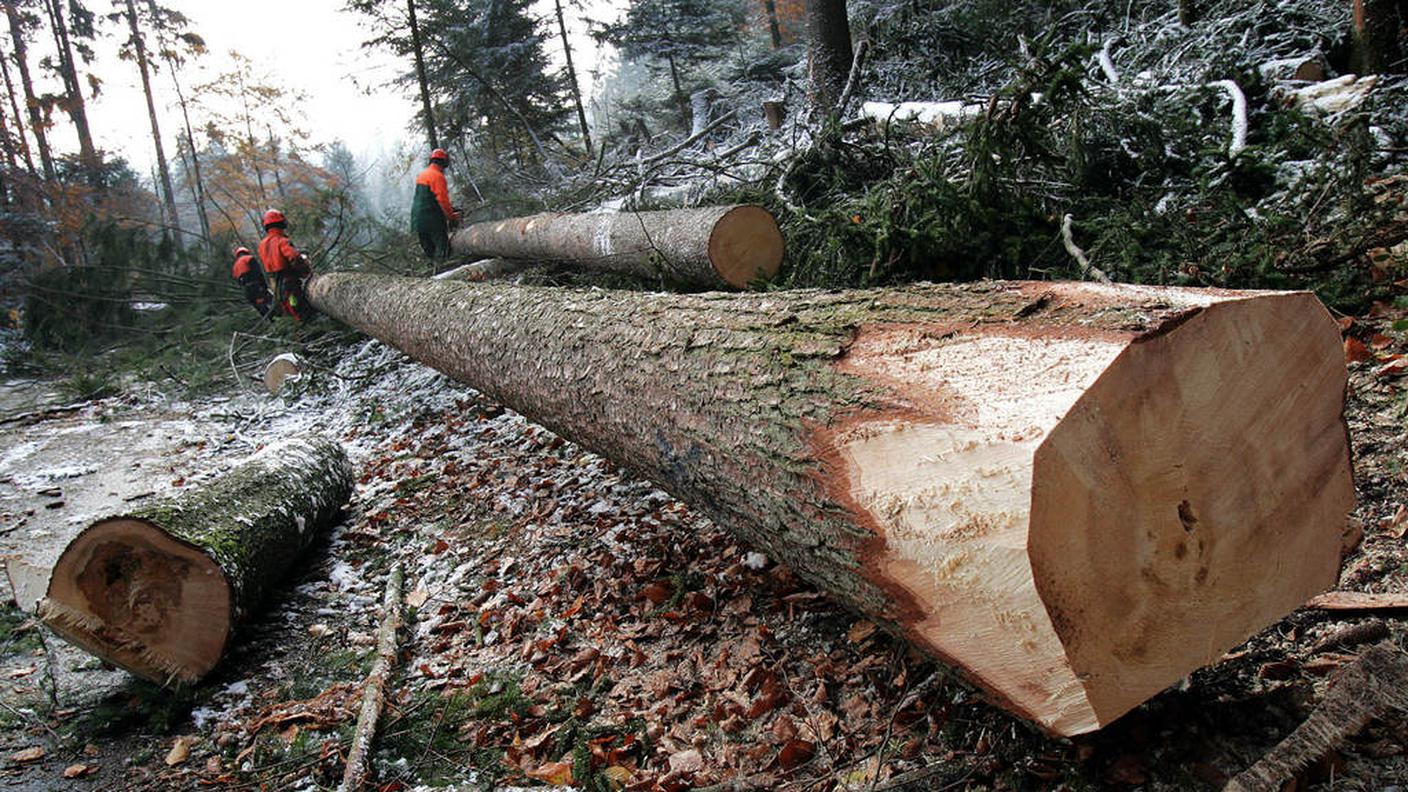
(158, 591)
(1077, 493)
(714, 247)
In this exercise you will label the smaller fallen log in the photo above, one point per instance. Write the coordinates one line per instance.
(716, 247)
(158, 591)
(485, 270)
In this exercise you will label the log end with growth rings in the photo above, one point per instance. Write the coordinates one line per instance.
(1082, 517)
(127, 591)
(746, 245)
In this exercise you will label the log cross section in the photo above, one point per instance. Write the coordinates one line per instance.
(1075, 493)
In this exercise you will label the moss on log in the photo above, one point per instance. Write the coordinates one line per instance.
(159, 590)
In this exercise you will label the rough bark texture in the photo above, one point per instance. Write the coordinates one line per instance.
(715, 247)
(1363, 690)
(900, 448)
(829, 51)
(138, 589)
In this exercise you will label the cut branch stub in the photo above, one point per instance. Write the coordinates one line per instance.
(715, 247)
(158, 591)
(1075, 493)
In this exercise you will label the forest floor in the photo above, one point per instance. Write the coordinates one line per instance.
(570, 624)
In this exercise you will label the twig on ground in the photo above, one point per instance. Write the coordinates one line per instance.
(374, 696)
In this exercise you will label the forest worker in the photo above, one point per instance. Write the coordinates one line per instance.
(286, 266)
(432, 215)
(250, 276)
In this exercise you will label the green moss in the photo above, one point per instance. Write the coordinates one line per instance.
(18, 633)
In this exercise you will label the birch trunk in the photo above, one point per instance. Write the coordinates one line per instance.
(1076, 493)
(714, 247)
(158, 591)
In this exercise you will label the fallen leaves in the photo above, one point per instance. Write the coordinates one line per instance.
(180, 751)
(79, 770)
(555, 773)
(29, 755)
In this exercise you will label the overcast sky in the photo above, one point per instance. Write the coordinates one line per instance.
(309, 45)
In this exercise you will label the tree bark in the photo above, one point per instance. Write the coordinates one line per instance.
(199, 183)
(829, 51)
(572, 78)
(1187, 12)
(715, 247)
(168, 193)
(770, 6)
(36, 120)
(75, 104)
(1077, 493)
(1374, 39)
(431, 136)
(158, 591)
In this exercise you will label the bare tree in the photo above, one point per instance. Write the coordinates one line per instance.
(37, 126)
(572, 79)
(73, 90)
(139, 48)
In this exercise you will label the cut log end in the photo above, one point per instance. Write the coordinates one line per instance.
(746, 245)
(1201, 457)
(126, 591)
(1083, 518)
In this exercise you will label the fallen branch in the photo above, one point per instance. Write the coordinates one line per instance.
(374, 697)
(1087, 269)
(1239, 115)
(1355, 601)
(1362, 691)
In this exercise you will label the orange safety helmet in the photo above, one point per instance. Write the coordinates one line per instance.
(439, 154)
(273, 217)
(241, 250)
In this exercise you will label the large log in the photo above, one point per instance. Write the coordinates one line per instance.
(158, 591)
(1077, 493)
(715, 247)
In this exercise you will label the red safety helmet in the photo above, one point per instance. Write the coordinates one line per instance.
(439, 154)
(272, 217)
(241, 250)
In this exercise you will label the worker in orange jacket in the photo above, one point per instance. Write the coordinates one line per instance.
(286, 266)
(250, 276)
(432, 214)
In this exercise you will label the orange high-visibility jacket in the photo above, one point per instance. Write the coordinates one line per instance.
(277, 253)
(433, 179)
(244, 267)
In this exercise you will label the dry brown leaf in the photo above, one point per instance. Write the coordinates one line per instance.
(1355, 351)
(417, 597)
(1397, 525)
(555, 773)
(860, 631)
(78, 770)
(1398, 365)
(795, 754)
(618, 776)
(16, 673)
(33, 754)
(180, 751)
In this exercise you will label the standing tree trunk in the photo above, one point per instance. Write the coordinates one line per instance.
(199, 183)
(36, 119)
(159, 590)
(162, 169)
(18, 116)
(1078, 493)
(1374, 39)
(430, 133)
(829, 51)
(715, 247)
(74, 102)
(773, 29)
(1187, 12)
(572, 78)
